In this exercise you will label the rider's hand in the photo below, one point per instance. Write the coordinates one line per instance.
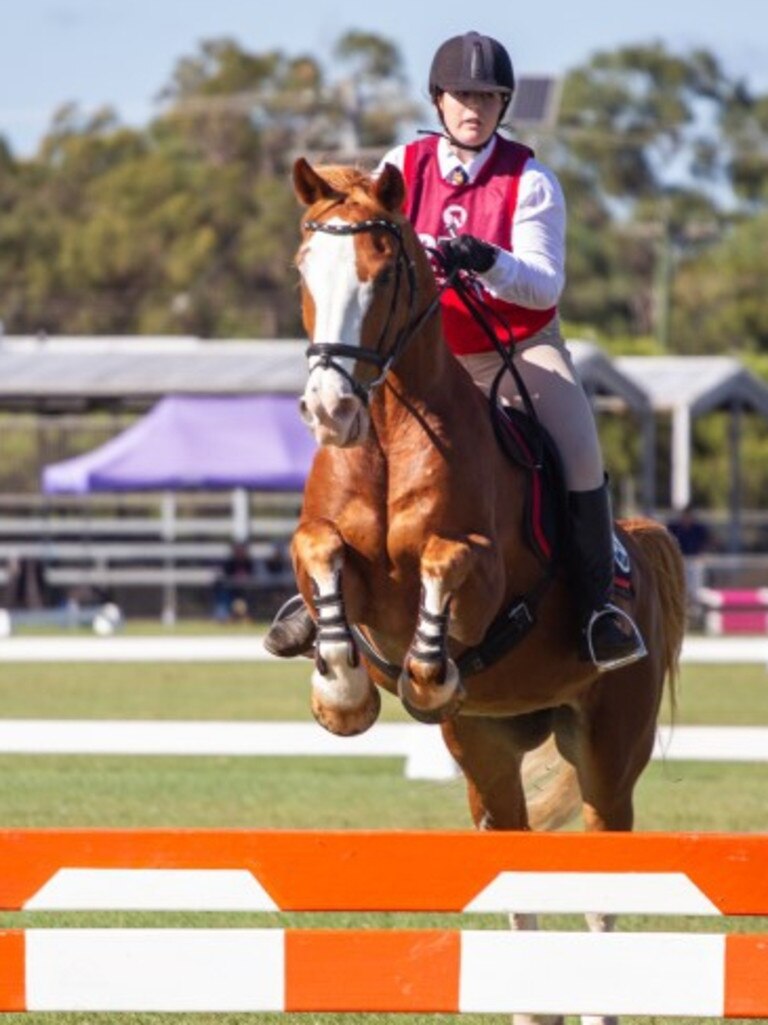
(465, 252)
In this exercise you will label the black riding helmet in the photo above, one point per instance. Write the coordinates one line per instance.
(472, 63)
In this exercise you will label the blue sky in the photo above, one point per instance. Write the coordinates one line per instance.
(121, 52)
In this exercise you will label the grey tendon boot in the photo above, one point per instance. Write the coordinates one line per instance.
(292, 631)
(609, 637)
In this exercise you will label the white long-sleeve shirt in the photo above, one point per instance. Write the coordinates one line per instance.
(534, 274)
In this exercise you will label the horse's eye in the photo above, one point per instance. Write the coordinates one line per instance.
(384, 277)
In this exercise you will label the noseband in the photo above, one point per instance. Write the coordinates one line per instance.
(328, 352)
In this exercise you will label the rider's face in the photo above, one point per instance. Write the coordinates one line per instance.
(471, 117)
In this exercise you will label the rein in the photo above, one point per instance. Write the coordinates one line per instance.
(329, 352)
(480, 311)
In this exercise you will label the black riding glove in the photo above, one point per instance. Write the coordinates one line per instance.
(465, 252)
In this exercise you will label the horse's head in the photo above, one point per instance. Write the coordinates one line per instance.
(358, 292)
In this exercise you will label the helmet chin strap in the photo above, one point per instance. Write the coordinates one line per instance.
(454, 141)
(445, 134)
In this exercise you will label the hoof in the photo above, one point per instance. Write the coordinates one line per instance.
(345, 711)
(434, 704)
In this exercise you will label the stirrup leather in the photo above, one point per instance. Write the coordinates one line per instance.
(640, 650)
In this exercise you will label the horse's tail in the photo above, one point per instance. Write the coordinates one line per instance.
(668, 576)
(552, 793)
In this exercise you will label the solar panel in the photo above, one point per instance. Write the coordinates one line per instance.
(535, 102)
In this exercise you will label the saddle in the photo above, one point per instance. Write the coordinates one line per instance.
(527, 443)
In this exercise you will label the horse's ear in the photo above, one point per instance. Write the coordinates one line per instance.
(309, 185)
(390, 188)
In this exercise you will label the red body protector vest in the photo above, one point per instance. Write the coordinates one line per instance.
(485, 208)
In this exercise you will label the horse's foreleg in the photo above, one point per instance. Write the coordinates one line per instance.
(344, 700)
(430, 686)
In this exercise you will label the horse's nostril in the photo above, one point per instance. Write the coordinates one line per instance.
(304, 412)
(346, 407)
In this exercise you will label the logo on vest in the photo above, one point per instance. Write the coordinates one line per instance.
(454, 219)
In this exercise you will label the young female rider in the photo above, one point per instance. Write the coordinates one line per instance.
(492, 210)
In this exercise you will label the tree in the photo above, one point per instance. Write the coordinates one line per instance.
(188, 225)
(720, 303)
(641, 138)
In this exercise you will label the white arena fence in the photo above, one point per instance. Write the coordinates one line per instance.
(228, 648)
(421, 747)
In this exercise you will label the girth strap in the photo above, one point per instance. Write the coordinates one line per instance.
(507, 630)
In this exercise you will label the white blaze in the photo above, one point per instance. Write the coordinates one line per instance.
(341, 300)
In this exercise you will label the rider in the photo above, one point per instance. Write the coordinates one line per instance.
(495, 212)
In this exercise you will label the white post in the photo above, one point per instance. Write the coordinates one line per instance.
(681, 457)
(168, 530)
(241, 520)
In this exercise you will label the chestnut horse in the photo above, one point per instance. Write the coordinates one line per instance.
(410, 540)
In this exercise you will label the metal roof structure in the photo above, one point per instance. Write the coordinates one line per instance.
(685, 387)
(78, 374)
(702, 384)
(71, 374)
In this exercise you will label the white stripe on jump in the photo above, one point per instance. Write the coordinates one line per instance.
(155, 969)
(251, 649)
(592, 973)
(151, 889)
(607, 892)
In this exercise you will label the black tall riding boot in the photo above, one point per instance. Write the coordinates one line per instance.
(609, 637)
(292, 631)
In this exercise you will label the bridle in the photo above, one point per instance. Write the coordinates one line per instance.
(383, 358)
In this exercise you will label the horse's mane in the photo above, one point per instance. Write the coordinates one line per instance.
(345, 178)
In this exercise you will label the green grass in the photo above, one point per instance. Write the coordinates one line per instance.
(308, 792)
(155, 628)
(719, 695)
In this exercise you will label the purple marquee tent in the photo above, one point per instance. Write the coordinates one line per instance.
(212, 442)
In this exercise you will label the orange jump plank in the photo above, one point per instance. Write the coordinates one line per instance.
(390, 871)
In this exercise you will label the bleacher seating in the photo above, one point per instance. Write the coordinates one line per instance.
(137, 559)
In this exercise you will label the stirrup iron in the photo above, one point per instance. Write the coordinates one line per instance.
(607, 665)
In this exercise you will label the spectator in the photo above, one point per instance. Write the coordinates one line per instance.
(692, 535)
(27, 587)
(694, 539)
(231, 586)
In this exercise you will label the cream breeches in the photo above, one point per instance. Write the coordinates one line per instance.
(548, 372)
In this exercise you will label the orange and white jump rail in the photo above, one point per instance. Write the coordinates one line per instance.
(383, 970)
(388, 970)
(216, 870)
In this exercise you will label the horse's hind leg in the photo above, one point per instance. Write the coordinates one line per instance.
(610, 742)
(490, 753)
(490, 759)
(344, 700)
